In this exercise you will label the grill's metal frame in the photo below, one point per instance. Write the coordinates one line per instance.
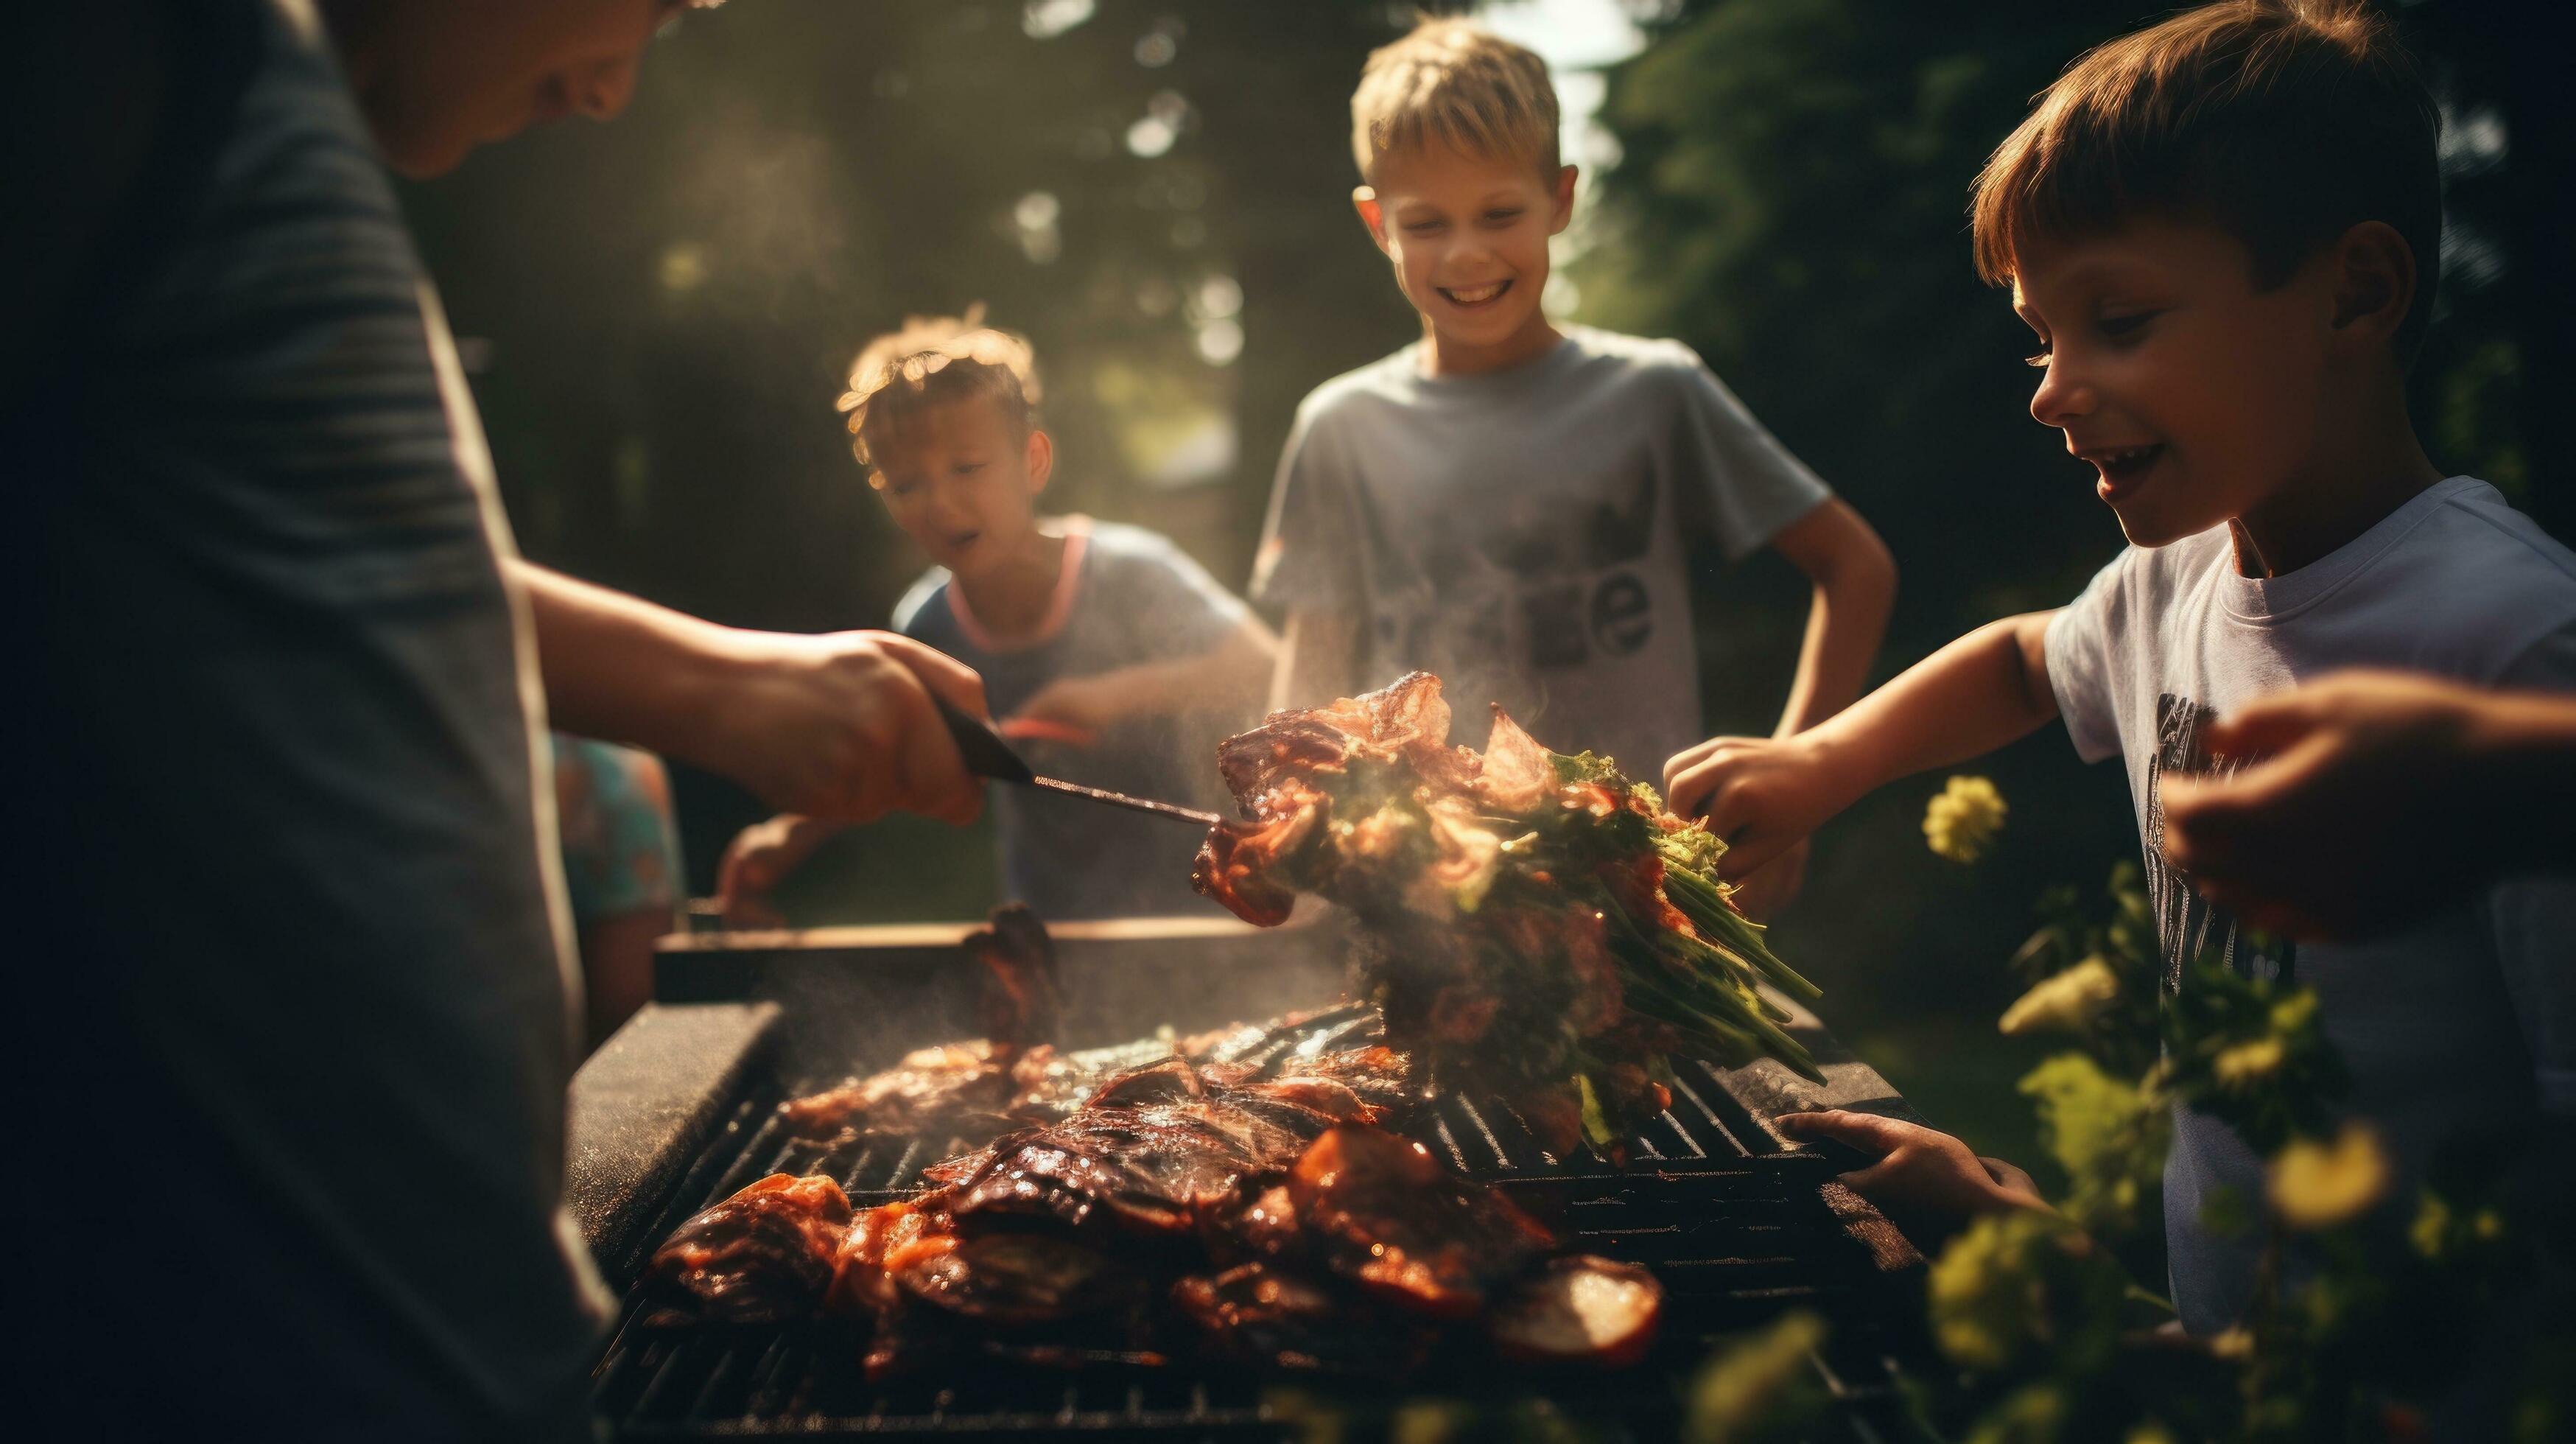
(1739, 1223)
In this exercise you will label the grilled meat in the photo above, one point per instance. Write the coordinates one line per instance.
(972, 1089)
(762, 1255)
(1018, 1002)
(1013, 1280)
(1528, 920)
(1268, 1219)
(1381, 1211)
(930, 1090)
(1580, 1309)
(1263, 1315)
(862, 1281)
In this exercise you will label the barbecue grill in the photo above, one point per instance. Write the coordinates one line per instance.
(681, 1109)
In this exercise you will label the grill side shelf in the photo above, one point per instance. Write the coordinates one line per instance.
(646, 1107)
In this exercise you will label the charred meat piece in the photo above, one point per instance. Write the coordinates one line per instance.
(1036, 1177)
(929, 1089)
(1262, 1228)
(1381, 1076)
(1381, 1211)
(1167, 1080)
(1018, 1002)
(1580, 1310)
(1143, 1171)
(971, 1088)
(1012, 1280)
(1249, 867)
(762, 1255)
(862, 1286)
(1324, 1096)
(1262, 1315)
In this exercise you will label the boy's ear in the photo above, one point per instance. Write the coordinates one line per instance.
(1364, 200)
(1041, 460)
(2374, 281)
(1563, 212)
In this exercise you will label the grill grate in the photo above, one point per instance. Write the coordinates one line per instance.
(1737, 1230)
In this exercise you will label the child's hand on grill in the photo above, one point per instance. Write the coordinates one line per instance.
(758, 860)
(1921, 1172)
(1069, 708)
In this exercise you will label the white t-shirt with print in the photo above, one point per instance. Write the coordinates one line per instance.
(2465, 1019)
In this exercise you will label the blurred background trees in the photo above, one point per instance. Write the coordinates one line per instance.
(659, 313)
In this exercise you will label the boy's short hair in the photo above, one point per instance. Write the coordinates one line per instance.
(932, 362)
(1460, 84)
(2285, 122)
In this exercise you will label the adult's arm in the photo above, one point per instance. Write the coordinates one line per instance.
(2354, 773)
(838, 726)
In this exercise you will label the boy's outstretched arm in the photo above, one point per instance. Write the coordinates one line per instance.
(1318, 660)
(1764, 795)
(1855, 588)
(1232, 677)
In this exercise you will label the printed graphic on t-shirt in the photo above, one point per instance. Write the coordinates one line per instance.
(2187, 925)
(1534, 586)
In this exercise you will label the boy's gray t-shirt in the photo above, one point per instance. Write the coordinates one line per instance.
(1523, 533)
(2464, 1021)
(1126, 596)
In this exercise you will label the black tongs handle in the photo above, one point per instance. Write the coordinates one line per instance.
(986, 754)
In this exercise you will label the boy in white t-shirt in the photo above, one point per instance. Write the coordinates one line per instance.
(2224, 231)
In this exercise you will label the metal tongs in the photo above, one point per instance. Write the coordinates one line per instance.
(987, 755)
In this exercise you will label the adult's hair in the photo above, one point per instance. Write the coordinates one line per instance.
(2285, 122)
(936, 361)
(1460, 85)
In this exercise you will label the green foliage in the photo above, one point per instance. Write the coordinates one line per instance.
(2110, 1136)
(2024, 1291)
(1758, 1387)
(2253, 1055)
(2120, 1031)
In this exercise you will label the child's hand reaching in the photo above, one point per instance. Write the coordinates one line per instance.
(1774, 885)
(1763, 796)
(758, 860)
(1070, 707)
(1921, 1172)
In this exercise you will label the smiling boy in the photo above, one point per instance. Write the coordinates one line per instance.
(2224, 231)
(1506, 502)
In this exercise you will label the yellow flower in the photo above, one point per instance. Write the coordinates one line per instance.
(2235, 1343)
(2067, 1001)
(2318, 1185)
(2293, 1012)
(2432, 1221)
(2248, 1062)
(1964, 818)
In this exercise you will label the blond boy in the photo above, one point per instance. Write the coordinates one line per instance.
(1507, 502)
